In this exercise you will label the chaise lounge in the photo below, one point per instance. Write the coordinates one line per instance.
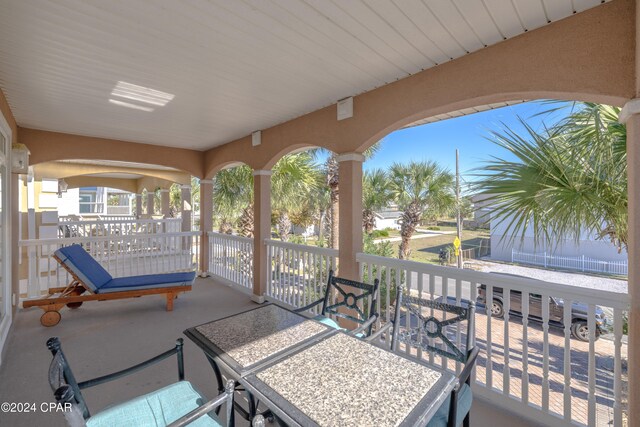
(89, 276)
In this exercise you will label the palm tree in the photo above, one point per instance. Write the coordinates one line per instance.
(376, 194)
(294, 177)
(292, 183)
(333, 182)
(416, 187)
(568, 179)
(233, 199)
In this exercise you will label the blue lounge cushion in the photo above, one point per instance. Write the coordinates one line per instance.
(465, 398)
(84, 266)
(149, 281)
(159, 408)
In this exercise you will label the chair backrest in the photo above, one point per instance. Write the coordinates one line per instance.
(64, 385)
(84, 266)
(354, 302)
(434, 325)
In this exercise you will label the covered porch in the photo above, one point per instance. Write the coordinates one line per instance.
(110, 336)
(386, 77)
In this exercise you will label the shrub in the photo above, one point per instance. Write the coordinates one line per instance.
(376, 234)
(433, 228)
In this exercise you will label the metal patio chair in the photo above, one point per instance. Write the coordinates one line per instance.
(353, 305)
(175, 405)
(430, 325)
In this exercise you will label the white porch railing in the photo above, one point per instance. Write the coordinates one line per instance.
(578, 263)
(533, 367)
(118, 227)
(231, 258)
(298, 273)
(124, 255)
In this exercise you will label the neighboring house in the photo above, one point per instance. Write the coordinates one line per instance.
(481, 210)
(84, 201)
(587, 245)
(388, 218)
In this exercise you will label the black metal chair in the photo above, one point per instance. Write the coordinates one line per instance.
(349, 302)
(175, 405)
(431, 325)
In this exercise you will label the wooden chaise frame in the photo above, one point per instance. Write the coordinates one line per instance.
(72, 296)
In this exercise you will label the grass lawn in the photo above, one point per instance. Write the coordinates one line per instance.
(427, 249)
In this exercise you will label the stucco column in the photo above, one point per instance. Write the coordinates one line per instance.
(206, 222)
(630, 115)
(138, 206)
(150, 202)
(185, 197)
(261, 232)
(350, 207)
(164, 199)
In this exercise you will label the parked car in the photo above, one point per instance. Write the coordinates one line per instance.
(579, 311)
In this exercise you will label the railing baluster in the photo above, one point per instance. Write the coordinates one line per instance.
(506, 374)
(591, 325)
(525, 347)
(489, 366)
(617, 368)
(545, 352)
(567, 358)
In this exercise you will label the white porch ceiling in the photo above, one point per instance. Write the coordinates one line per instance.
(231, 66)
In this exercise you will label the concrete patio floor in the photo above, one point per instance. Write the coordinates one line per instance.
(102, 337)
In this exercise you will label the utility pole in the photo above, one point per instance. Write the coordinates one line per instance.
(458, 209)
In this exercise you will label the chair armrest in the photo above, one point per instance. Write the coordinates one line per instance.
(379, 332)
(468, 367)
(177, 350)
(308, 307)
(226, 396)
(365, 325)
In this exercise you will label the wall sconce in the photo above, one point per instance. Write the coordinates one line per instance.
(62, 187)
(19, 158)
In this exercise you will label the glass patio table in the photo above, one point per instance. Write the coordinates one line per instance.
(241, 343)
(341, 380)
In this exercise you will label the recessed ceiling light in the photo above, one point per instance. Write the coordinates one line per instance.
(141, 94)
(129, 105)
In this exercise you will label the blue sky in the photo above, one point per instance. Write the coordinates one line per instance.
(438, 141)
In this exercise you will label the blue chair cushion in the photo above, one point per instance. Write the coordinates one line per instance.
(465, 398)
(149, 281)
(84, 266)
(160, 408)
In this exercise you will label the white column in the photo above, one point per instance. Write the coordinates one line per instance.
(185, 195)
(261, 232)
(630, 115)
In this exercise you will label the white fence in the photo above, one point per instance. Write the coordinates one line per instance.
(298, 273)
(117, 227)
(532, 366)
(123, 255)
(579, 263)
(231, 258)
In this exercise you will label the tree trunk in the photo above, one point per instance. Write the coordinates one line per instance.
(334, 191)
(284, 226)
(410, 220)
(245, 223)
(368, 221)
